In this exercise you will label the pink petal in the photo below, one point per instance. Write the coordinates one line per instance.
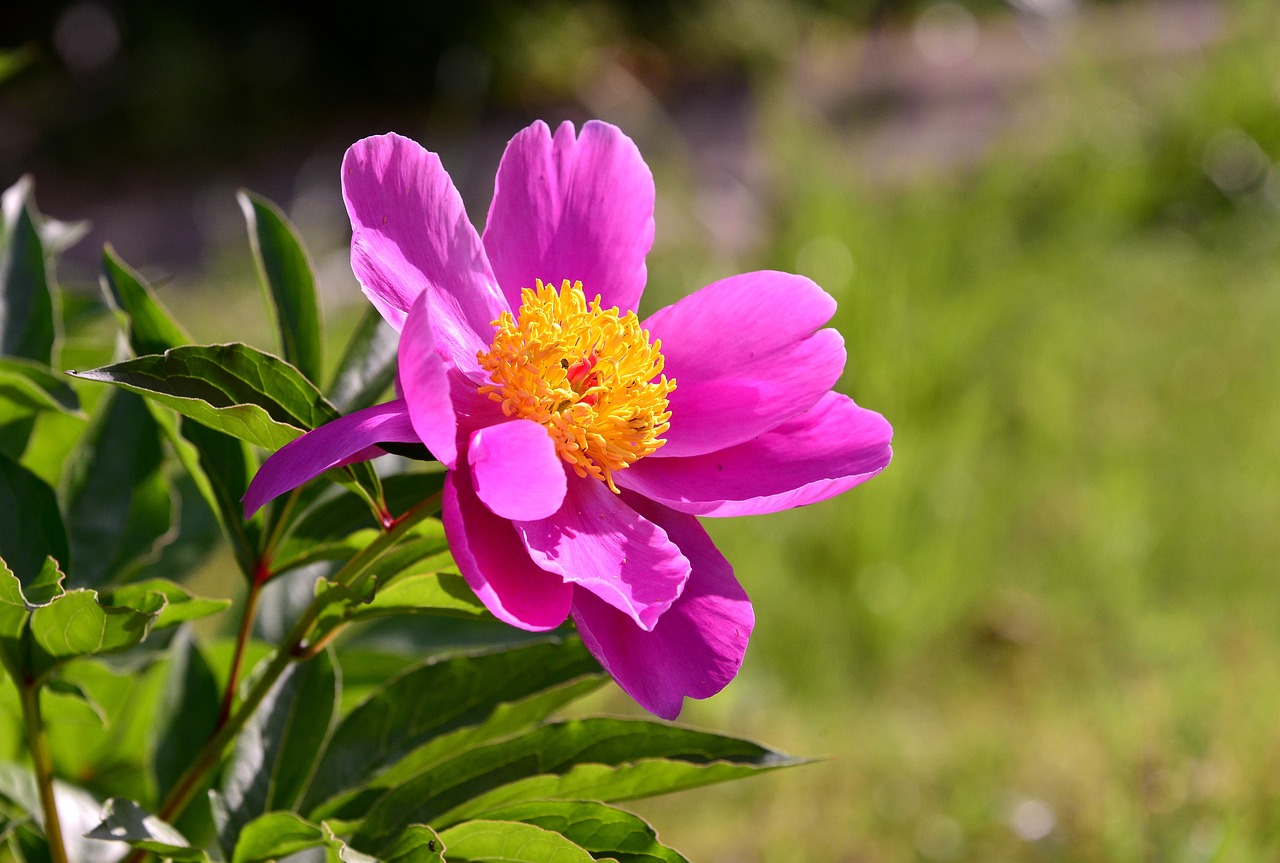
(698, 644)
(424, 380)
(571, 209)
(411, 236)
(604, 546)
(333, 444)
(734, 406)
(829, 448)
(740, 319)
(492, 559)
(516, 470)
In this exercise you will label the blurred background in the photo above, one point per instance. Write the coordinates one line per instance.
(1050, 630)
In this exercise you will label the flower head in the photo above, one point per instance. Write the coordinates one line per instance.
(581, 442)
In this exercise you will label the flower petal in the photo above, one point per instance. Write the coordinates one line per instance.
(739, 319)
(599, 543)
(829, 448)
(755, 396)
(424, 381)
(333, 444)
(578, 209)
(495, 564)
(411, 236)
(516, 471)
(696, 647)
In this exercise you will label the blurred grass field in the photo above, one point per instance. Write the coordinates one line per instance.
(1050, 630)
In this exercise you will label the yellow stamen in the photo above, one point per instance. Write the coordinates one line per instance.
(585, 373)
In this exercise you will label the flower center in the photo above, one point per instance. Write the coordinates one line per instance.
(585, 373)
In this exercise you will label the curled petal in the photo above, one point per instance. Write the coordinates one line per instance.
(347, 439)
(604, 546)
(495, 564)
(698, 644)
(737, 320)
(709, 413)
(411, 236)
(815, 455)
(516, 471)
(424, 380)
(577, 208)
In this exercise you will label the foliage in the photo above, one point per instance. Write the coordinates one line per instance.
(454, 757)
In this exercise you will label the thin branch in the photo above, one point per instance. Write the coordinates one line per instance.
(39, 744)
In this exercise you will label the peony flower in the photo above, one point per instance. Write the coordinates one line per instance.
(581, 443)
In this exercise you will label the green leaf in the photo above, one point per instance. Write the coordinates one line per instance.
(30, 524)
(368, 365)
(226, 465)
(180, 606)
(28, 386)
(276, 835)
(286, 274)
(151, 329)
(417, 844)
(126, 821)
(217, 463)
(444, 593)
(328, 530)
(26, 298)
(460, 701)
(118, 500)
(275, 754)
(77, 624)
(15, 434)
(233, 388)
(114, 758)
(510, 842)
(14, 615)
(601, 759)
(186, 714)
(600, 829)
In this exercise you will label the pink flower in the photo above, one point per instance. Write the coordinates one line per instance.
(581, 444)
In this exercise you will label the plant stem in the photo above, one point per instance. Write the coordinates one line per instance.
(242, 640)
(292, 648)
(39, 744)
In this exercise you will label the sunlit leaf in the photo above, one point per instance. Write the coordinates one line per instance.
(276, 835)
(470, 697)
(234, 388)
(600, 829)
(603, 759)
(510, 842)
(288, 279)
(417, 844)
(78, 624)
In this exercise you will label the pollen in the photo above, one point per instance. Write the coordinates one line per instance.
(587, 374)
